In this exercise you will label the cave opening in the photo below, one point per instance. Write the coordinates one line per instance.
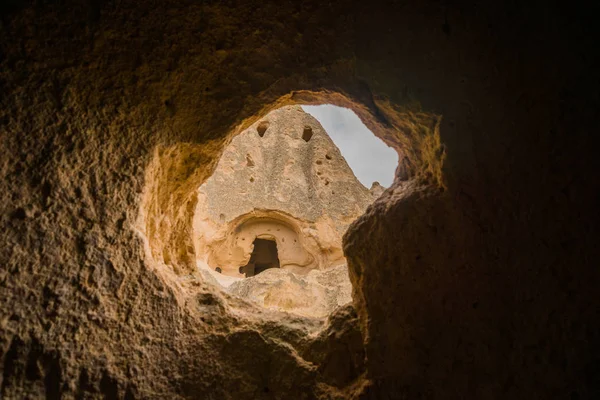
(270, 219)
(263, 257)
(270, 183)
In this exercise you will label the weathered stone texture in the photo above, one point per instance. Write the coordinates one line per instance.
(315, 294)
(281, 171)
(282, 179)
(474, 277)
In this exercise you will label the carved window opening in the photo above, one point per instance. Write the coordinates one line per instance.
(307, 133)
(276, 194)
(262, 128)
(264, 256)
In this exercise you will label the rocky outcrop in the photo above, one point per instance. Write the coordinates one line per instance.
(282, 179)
(315, 294)
(376, 189)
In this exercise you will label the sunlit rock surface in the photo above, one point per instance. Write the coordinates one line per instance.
(282, 179)
(315, 294)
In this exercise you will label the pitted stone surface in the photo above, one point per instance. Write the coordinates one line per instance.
(282, 179)
(281, 171)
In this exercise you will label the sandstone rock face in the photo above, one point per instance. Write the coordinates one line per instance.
(282, 179)
(474, 276)
(280, 183)
(315, 294)
(376, 189)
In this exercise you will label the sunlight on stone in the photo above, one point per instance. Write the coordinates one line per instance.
(269, 222)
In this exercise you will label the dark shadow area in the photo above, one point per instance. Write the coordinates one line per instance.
(264, 256)
(307, 133)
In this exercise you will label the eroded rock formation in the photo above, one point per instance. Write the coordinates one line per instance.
(475, 275)
(281, 196)
(316, 294)
(282, 179)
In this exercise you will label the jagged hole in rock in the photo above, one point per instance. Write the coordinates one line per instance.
(264, 256)
(269, 222)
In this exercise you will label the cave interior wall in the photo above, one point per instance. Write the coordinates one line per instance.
(473, 274)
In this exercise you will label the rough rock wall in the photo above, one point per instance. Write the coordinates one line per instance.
(284, 163)
(489, 291)
(280, 170)
(316, 294)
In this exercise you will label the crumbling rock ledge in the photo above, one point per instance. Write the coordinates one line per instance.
(315, 294)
